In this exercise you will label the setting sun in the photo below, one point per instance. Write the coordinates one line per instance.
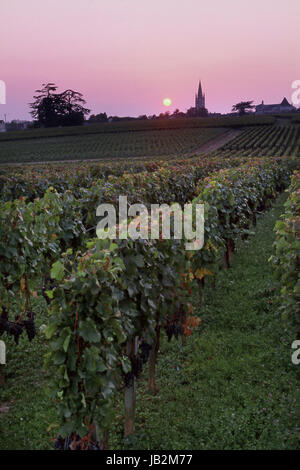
(167, 101)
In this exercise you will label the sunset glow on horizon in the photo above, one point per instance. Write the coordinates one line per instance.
(124, 56)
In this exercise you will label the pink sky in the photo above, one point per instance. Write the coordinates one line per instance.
(125, 56)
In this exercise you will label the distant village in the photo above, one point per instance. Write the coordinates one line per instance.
(199, 110)
(283, 107)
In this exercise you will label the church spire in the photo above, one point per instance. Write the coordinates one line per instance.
(200, 98)
(199, 89)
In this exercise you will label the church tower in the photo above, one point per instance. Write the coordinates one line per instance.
(200, 99)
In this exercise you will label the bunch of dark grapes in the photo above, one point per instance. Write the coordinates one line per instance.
(10, 328)
(16, 328)
(137, 363)
(3, 321)
(29, 326)
(174, 327)
(61, 443)
(145, 349)
(73, 442)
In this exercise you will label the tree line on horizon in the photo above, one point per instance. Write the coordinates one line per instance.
(52, 109)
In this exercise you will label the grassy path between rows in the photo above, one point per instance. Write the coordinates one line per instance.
(232, 386)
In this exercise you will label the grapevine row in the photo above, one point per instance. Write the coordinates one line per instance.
(286, 259)
(122, 293)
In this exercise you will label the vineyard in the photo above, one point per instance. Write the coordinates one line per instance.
(103, 311)
(264, 141)
(139, 144)
(161, 143)
(140, 125)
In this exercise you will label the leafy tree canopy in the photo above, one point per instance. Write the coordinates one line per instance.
(51, 109)
(243, 107)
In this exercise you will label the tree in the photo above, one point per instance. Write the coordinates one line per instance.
(101, 117)
(44, 106)
(165, 115)
(72, 109)
(242, 107)
(51, 109)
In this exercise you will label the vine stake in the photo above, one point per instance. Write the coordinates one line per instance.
(130, 392)
(152, 363)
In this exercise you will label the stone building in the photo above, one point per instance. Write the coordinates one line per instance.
(283, 107)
